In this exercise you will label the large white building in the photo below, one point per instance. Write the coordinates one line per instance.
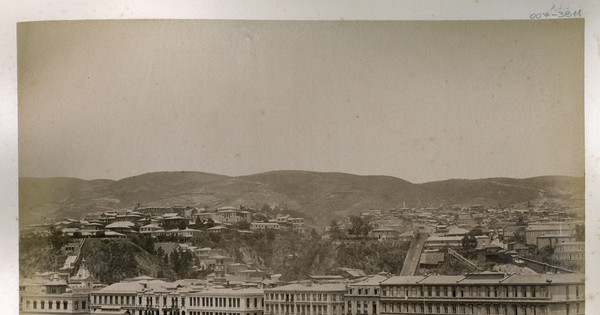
(216, 301)
(311, 299)
(56, 295)
(363, 297)
(484, 293)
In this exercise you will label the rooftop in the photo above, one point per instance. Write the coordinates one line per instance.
(310, 288)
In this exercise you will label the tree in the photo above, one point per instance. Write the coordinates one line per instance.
(477, 231)
(265, 208)
(334, 230)
(270, 235)
(359, 226)
(215, 237)
(57, 239)
(209, 223)
(469, 242)
(314, 235)
(259, 217)
(242, 225)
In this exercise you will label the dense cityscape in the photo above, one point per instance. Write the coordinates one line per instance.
(519, 259)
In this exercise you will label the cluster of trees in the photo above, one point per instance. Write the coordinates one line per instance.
(181, 262)
(372, 257)
(359, 227)
(469, 241)
(57, 239)
(146, 242)
(41, 253)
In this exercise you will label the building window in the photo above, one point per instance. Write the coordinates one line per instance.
(34, 304)
(57, 305)
(42, 304)
(76, 305)
(82, 305)
(49, 305)
(65, 305)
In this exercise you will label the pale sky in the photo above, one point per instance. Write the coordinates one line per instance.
(421, 101)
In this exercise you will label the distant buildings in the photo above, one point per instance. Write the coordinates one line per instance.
(262, 226)
(532, 232)
(385, 233)
(444, 241)
(569, 251)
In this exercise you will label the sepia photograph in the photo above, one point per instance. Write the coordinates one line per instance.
(293, 167)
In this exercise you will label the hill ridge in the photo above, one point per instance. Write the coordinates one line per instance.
(320, 195)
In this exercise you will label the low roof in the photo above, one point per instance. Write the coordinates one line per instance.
(329, 287)
(445, 238)
(402, 280)
(372, 280)
(120, 224)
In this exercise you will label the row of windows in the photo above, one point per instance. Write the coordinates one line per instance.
(131, 300)
(289, 297)
(302, 309)
(110, 300)
(469, 291)
(53, 305)
(365, 291)
(363, 307)
(430, 308)
(225, 302)
(193, 301)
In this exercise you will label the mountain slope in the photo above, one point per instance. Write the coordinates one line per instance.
(322, 196)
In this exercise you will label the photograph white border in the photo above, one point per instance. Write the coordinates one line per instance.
(40, 10)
